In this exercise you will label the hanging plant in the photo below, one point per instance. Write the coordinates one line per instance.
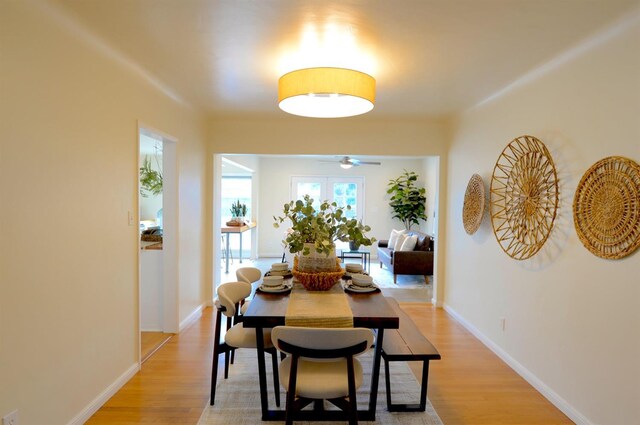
(150, 179)
(408, 202)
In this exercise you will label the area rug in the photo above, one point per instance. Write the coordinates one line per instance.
(238, 397)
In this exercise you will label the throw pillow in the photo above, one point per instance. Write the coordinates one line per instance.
(409, 243)
(399, 242)
(394, 237)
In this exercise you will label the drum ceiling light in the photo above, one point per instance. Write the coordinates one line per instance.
(326, 92)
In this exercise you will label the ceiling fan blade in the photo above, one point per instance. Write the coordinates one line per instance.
(370, 162)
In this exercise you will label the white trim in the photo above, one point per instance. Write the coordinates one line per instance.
(194, 316)
(538, 384)
(436, 303)
(105, 395)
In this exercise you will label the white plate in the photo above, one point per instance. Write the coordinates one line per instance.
(363, 289)
(275, 289)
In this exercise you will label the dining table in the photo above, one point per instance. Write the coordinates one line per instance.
(368, 310)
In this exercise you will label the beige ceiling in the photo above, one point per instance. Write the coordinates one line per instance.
(430, 58)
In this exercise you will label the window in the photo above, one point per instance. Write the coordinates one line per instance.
(234, 189)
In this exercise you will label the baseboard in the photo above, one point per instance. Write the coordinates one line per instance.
(97, 403)
(532, 379)
(190, 319)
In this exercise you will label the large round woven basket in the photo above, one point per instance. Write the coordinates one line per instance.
(318, 281)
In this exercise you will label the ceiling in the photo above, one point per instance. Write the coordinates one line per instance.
(429, 57)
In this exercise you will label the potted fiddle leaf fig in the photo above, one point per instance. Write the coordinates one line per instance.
(407, 201)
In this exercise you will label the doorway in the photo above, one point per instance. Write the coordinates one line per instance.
(157, 253)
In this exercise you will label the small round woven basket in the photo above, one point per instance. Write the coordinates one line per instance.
(318, 281)
(473, 207)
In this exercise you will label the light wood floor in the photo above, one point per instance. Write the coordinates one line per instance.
(150, 342)
(470, 385)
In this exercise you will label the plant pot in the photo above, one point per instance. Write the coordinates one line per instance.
(354, 246)
(315, 262)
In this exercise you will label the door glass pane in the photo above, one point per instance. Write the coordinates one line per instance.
(347, 194)
(312, 189)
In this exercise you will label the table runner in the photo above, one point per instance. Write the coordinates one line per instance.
(322, 309)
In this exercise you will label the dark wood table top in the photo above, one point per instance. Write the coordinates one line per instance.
(370, 310)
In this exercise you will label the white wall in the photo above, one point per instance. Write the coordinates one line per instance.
(69, 271)
(572, 319)
(275, 191)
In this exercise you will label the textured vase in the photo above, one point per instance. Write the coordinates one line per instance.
(315, 262)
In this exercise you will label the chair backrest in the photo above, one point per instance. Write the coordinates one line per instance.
(321, 339)
(248, 274)
(231, 293)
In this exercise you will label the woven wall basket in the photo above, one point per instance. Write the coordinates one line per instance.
(473, 207)
(524, 197)
(606, 208)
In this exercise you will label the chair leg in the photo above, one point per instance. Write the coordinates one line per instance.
(395, 278)
(226, 364)
(387, 382)
(291, 393)
(214, 374)
(216, 355)
(353, 403)
(276, 376)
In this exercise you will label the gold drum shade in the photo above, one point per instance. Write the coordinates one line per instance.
(326, 92)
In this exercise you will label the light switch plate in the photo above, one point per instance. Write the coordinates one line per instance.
(11, 418)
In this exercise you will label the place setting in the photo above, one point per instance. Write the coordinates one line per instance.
(353, 268)
(360, 283)
(280, 269)
(275, 284)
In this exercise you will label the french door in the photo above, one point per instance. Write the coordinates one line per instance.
(342, 190)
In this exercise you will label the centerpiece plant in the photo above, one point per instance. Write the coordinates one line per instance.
(313, 234)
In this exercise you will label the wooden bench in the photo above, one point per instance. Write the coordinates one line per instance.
(407, 344)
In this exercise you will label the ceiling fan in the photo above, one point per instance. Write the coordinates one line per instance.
(347, 162)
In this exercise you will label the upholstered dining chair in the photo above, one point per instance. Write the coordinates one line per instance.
(236, 335)
(248, 275)
(321, 365)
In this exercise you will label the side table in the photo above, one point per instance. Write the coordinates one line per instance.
(364, 256)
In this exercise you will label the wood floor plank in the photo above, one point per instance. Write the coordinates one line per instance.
(469, 386)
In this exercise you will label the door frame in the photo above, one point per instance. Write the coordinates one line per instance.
(170, 315)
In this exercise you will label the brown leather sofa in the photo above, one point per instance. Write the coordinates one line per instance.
(416, 262)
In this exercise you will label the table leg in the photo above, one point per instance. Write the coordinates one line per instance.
(227, 258)
(262, 374)
(240, 253)
(375, 375)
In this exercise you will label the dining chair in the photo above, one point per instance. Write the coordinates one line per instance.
(236, 336)
(248, 275)
(321, 365)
